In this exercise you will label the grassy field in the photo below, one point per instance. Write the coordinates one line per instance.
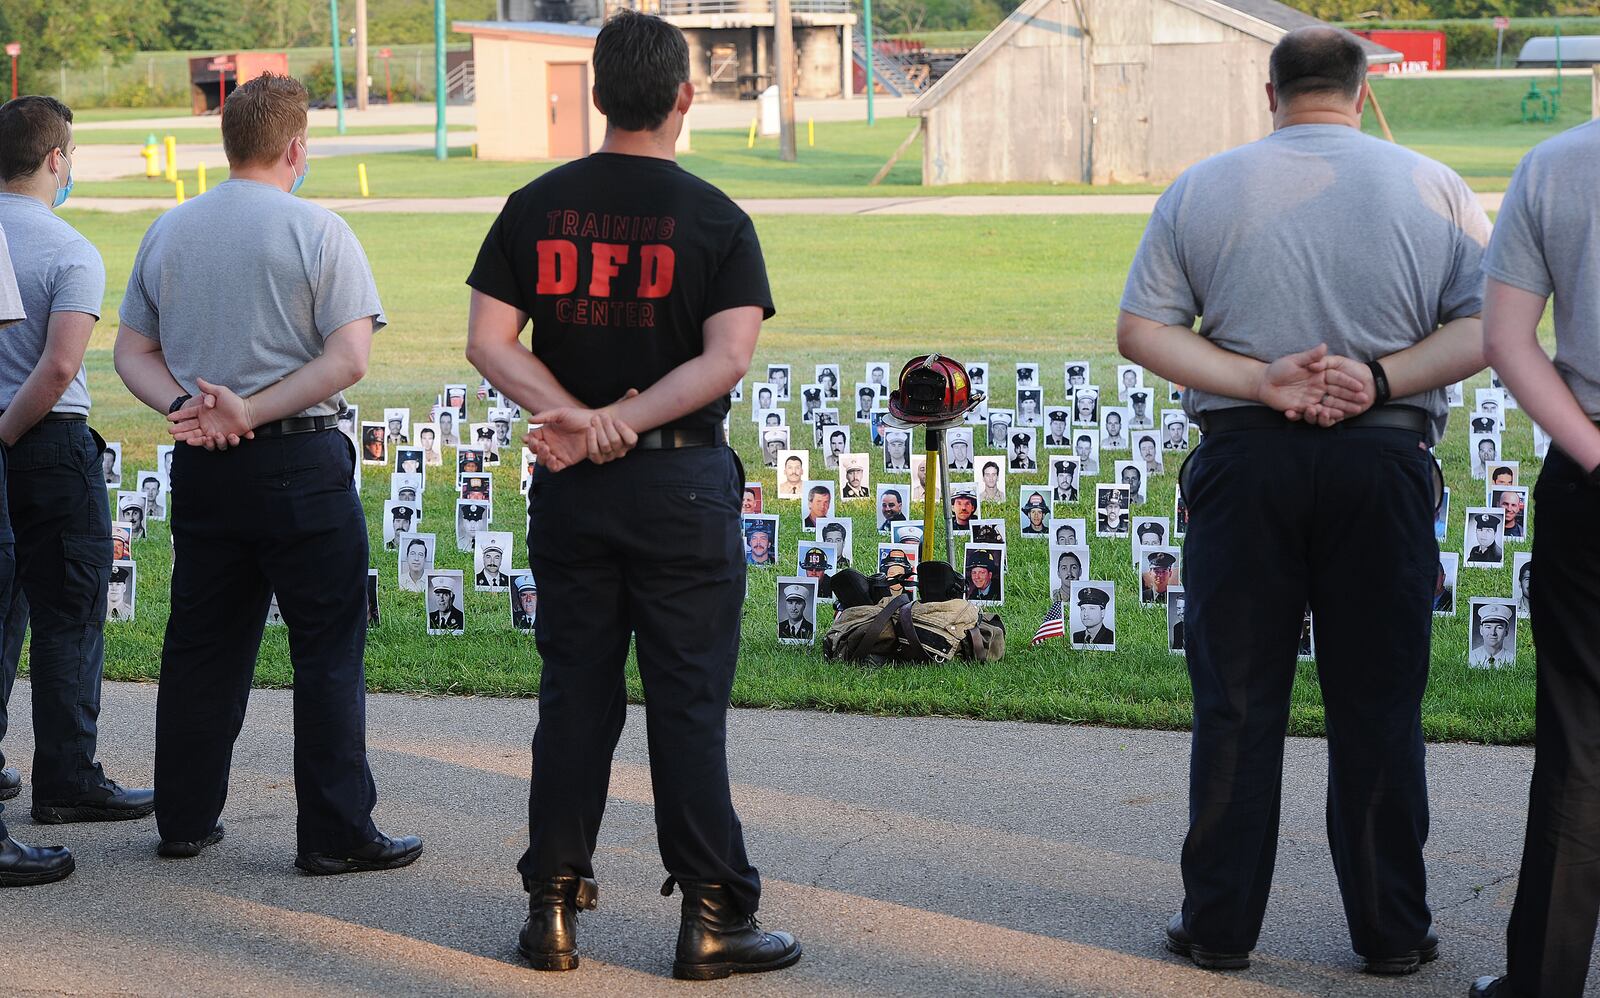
(843, 295)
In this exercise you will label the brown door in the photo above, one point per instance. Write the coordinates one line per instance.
(1121, 124)
(567, 84)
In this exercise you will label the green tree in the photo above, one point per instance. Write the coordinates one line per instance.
(77, 33)
(210, 25)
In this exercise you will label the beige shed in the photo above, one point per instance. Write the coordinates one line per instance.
(1106, 91)
(532, 81)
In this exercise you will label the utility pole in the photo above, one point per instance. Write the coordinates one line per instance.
(338, 62)
(440, 149)
(783, 34)
(361, 55)
(866, 17)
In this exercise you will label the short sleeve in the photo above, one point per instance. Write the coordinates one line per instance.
(140, 311)
(345, 290)
(11, 309)
(493, 274)
(1516, 250)
(1158, 288)
(741, 278)
(78, 279)
(1462, 294)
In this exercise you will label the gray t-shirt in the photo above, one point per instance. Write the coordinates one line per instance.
(1547, 241)
(57, 270)
(242, 285)
(11, 310)
(1314, 234)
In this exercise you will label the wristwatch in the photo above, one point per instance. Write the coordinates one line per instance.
(1380, 384)
(178, 403)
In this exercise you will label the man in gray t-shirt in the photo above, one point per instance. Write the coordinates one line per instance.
(1336, 279)
(265, 338)
(1547, 242)
(55, 487)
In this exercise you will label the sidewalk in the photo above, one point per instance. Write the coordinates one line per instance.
(911, 856)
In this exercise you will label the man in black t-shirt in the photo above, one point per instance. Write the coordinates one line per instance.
(646, 289)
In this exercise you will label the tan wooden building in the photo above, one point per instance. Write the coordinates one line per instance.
(1106, 91)
(532, 81)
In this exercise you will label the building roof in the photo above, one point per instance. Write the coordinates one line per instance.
(1267, 20)
(526, 28)
(1574, 49)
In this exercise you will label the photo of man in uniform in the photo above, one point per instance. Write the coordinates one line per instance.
(1028, 402)
(1088, 456)
(837, 533)
(1069, 569)
(866, 398)
(1176, 431)
(445, 418)
(773, 440)
(838, 443)
(778, 378)
(1130, 475)
(983, 577)
(372, 444)
(1175, 607)
(1112, 436)
(963, 507)
(444, 609)
(791, 479)
(1022, 452)
(120, 594)
(1092, 611)
(814, 561)
(1057, 435)
(855, 477)
(401, 520)
(1066, 533)
(524, 603)
(150, 485)
(1139, 410)
(1149, 453)
(890, 507)
(471, 517)
(1444, 587)
(491, 551)
(130, 510)
(396, 420)
(1494, 634)
(1522, 573)
(959, 443)
(428, 440)
(819, 503)
(1159, 568)
(999, 428)
(1077, 375)
(1484, 534)
(111, 465)
(416, 561)
(796, 611)
(1064, 473)
(1034, 514)
(759, 537)
(896, 450)
(993, 488)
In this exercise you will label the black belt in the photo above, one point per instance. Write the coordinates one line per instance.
(60, 417)
(679, 439)
(1259, 417)
(297, 424)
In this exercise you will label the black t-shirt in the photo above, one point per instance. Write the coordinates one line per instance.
(619, 260)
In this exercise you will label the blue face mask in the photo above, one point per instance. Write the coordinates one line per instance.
(62, 193)
(294, 188)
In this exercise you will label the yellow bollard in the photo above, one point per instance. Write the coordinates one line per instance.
(811, 131)
(171, 144)
(180, 194)
(474, 150)
(361, 175)
(750, 143)
(150, 153)
(200, 179)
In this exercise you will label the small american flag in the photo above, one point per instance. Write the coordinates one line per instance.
(1053, 625)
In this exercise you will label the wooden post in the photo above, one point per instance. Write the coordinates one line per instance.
(783, 34)
(1594, 94)
(1377, 109)
(361, 55)
(917, 130)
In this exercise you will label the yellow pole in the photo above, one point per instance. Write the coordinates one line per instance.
(811, 131)
(200, 179)
(361, 175)
(474, 150)
(150, 153)
(179, 192)
(750, 143)
(171, 144)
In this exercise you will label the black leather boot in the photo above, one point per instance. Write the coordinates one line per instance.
(549, 937)
(716, 940)
(22, 865)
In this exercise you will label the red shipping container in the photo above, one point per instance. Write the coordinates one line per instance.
(1420, 51)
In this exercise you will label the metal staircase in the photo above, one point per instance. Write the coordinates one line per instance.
(898, 77)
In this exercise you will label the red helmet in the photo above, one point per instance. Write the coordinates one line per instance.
(932, 389)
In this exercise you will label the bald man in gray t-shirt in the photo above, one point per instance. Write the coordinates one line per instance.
(1336, 279)
(1547, 242)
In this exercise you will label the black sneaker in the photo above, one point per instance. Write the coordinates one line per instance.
(174, 849)
(111, 802)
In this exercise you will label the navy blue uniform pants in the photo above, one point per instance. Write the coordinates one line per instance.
(1558, 894)
(8, 572)
(280, 515)
(647, 548)
(1275, 518)
(55, 488)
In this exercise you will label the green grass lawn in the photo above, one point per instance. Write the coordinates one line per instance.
(848, 292)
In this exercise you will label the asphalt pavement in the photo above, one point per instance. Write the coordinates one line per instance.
(923, 856)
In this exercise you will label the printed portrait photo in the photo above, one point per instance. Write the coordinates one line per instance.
(1174, 430)
(1000, 423)
(121, 541)
(1503, 473)
(815, 559)
(797, 610)
(1148, 531)
(399, 517)
(1030, 406)
(763, 399)
(919, 480)
(471, 517)
(1521, 579)
(491, 561)
(121, 591)
(470, 461)
(891, 506)
(878, 373)
(372, 598)
(448, 422)
(396, 426)
(1444, 587)
(427, 441)
(836, 442)
(778, 378)
(1512, 501)
(855, 476)
(1057, 434)
(348, 421)
(963, 506)
(1441, 516)
(1484, 537)
(445, 615)
(838, 533)
(373, 447)
(978, 374)
(1308, 638)
(774, 441)
(1111, 510)
(1077, 374)
(906, 533)
(897, 561)
(810, 401)
(822, 423)
(991, 480)
(1091, 615)
(827, 377)
(1068, 530)
(1069, 563)
(752, 500)
(896, 451)
(154, 491)
(478, 488)
(1114, 428)
(1086, 448)
(1020, 457)
(501, 420)
(1494, 633)
(760, 539)
(487, 442)
(416, 560)
(111, 465)
(866, 398)
(1086, 407)
(1131, 474)
(794, 468)
(1180, 514)
(1454, 395)
(876, 427)
(1485, 449)
(164, 466)
(131, 510)
(408, 460)
(958, 449)
(1141, 415)
(524, 602)
(818, 503)
(1033, 516)
(274, 615)
(736, 393)
(1147, 450)
(1129, 377)
(455, 396)
(1175, 628)
(1159, 570)
(1063, 479)
(1027, 373)
(985, 573)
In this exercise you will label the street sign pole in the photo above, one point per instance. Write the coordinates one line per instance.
(866, 16)
(338, 62)
(1500, 26)
(440, 149)
(13, 49)
(388, 86)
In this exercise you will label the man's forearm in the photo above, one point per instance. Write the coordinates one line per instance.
(520, 376)
(37, 396)
(148, 378)
(1451, 353)
(687, 388)
(1180, 355)
(1528, 372)
(324, 377)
